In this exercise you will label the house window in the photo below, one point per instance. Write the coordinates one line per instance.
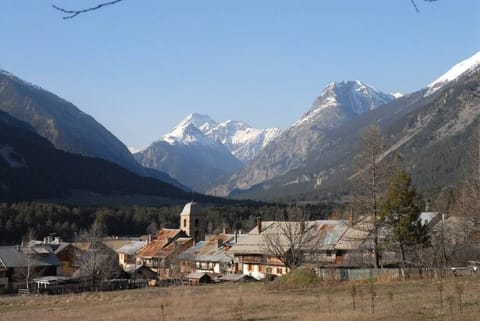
(268, 270)
(329, 253)
(196, 222)
(250, 267)
(184, 222)
(279, 271)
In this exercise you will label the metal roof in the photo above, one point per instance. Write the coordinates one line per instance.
(132, 247)
(13, 256)
(197, 275)
(322, 235)
(214, 250)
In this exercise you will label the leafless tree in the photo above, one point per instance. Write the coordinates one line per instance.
(290, 238)
(27, 272)
(369, 186)
(97, 262)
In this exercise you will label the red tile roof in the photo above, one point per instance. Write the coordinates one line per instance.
(163, 239)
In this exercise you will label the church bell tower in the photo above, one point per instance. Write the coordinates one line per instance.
(193, 221)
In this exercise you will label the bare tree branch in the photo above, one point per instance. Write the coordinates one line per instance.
(74, 13)
(415, 5)
(289, 241)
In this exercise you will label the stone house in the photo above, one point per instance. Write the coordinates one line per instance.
(212, 256)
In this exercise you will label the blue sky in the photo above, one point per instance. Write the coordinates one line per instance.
(141, 66)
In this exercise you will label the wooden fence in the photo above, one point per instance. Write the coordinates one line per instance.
(344, 274)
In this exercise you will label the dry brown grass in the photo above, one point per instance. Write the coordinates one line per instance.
(411, 301)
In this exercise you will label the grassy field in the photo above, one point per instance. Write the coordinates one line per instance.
(409, 300)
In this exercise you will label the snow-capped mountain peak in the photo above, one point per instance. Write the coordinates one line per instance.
(240, 139)
(186, 133)
(202, 122)
(352, 97)
(243, 141)
(455, 72)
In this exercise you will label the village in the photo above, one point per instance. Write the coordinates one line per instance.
(332, 249)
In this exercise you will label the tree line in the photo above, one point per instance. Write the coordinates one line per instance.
(67, 222)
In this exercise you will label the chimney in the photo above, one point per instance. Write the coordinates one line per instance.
(427, 205)
(149, 239)
(235, 237)
(259, 224)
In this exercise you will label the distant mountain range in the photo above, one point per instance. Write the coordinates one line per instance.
(431, 129)
(49, 148)
(199, 152)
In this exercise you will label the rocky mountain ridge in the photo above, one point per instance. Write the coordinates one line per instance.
(431, 129)
(338, 103)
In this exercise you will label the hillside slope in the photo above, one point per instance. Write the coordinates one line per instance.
(31, 168)
(66, 126)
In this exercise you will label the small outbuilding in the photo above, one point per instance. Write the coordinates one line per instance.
(198, 278)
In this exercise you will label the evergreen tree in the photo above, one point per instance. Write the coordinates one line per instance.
(400, 212)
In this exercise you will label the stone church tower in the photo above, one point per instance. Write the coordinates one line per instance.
(193, 221)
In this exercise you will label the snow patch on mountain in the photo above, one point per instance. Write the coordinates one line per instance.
(187, 134)
(353, 97)
(455, 72)
(241, 140)
(134, 149)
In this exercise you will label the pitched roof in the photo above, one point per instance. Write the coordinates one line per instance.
(132, 248)
(175, 247)
(427, 218)
(60, 246)
(12, 256)
(217, 249)
(230, 277)
(355, 237)
(164, 238)
(197, 275)
(117, 244)
(321, 235)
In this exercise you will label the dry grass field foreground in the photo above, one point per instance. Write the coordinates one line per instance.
(450, 299)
